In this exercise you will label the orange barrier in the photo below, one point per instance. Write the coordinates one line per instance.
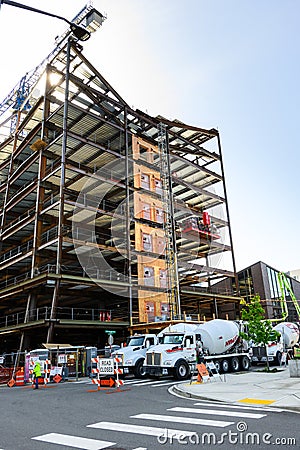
(20, 381)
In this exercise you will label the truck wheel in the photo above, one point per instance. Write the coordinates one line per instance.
(277, 360)
(182, 370)
(217, 366)
(225, 366)
(139, 371)
(235, 364)
(246, 363)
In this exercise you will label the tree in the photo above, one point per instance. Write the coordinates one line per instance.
(259, 329)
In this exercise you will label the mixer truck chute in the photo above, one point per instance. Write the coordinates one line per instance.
(175, 354)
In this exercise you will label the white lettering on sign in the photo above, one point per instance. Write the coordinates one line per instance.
(106, 366)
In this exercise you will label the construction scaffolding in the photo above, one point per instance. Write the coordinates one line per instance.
(109, 217)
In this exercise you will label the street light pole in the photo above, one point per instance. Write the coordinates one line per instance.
(79, 32)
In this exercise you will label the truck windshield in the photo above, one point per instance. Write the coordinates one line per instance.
(172, 339)
(135, 341)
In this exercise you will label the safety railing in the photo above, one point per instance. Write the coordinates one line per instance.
(89, 314)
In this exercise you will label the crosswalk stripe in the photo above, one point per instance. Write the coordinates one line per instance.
(74, 441)
(136, 381)
(210, 423)
(165, 384)
(253, 408)
(149, 382)
(138, 429)
(215, 412)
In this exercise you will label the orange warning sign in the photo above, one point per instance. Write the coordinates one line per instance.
(202, 372)
(11, 383)
(107, 382)
(57, 378)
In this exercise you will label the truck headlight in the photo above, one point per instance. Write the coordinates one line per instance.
(168, 362)
(128, 362)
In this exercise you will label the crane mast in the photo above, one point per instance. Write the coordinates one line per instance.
(17, 99)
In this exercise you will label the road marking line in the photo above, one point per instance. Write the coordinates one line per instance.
(148, 382)
(138, 429)
(165, 384)
(210, 423)
(253, 408)
(216, 412)
(136, 381)
(257, 401)
(74, 441)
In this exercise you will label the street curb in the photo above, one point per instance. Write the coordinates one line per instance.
(175, 390)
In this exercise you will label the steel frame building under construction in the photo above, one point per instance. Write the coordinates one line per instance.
(110, 218)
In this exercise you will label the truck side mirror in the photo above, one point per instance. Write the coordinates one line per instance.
(188, 343)
(147, 344)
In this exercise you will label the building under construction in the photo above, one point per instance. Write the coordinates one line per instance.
(110, 219)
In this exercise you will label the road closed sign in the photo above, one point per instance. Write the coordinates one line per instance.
(106, 366)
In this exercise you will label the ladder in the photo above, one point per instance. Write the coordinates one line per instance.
(168, 223)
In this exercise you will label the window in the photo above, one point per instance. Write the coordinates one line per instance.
(145, 181)
(143, 153)
(158, 186)
(161, 245)
(163, 278)
(146, 154)
(146, 213)
(149, 342)
(164, 309)
(147, 242)
(159, 215)
(148, 276)
(150, 311)
(190, 338)
(273, 283)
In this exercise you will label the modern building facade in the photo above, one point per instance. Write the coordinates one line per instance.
(262, 279)
(110, 218)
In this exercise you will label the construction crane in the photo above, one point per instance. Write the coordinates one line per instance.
(88, 19)
(286, 287)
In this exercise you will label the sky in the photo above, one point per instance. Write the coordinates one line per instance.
(233, 65)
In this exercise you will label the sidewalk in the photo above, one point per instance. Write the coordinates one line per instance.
(274, 389)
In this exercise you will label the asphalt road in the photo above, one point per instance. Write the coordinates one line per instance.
(69, 415)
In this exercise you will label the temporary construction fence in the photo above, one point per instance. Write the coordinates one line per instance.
(6, 374)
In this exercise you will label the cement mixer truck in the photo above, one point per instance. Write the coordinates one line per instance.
(289, 337)
(175, 355)
(132, 356)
